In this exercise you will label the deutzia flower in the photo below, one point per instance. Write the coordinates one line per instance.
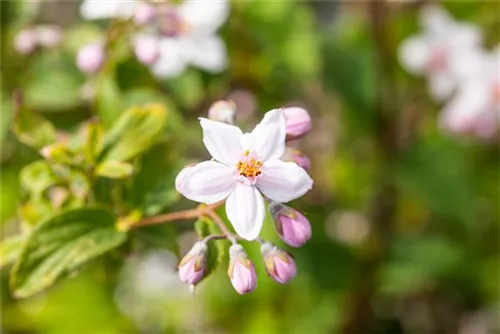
(475, 109)
(171, 36)
(245, 166)
(434, 51)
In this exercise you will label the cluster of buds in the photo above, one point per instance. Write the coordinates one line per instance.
(43, 36)
(279, 265)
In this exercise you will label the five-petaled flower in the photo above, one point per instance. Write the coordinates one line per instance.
(245, 166)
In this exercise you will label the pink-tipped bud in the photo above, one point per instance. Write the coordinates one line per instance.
(292, 226)
(280, 265)
(295, 155)
(146, 49)
(241, 270)
(25, 41)
(222, 111)
(90, 58)
(48, 36)
(144, 14)
(298, 122)
(192, 266)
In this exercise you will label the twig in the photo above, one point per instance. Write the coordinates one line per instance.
(223, 228)
(180, 215)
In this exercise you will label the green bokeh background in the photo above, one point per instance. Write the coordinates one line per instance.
(405, 218)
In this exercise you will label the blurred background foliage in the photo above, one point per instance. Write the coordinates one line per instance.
(405, 219)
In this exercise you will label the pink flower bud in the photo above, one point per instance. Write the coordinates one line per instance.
(146, 49)
(298, 122)
(222, 111)
(25, 41)
(280, 265)
(144, 14)
(90, 58)
(48, 36)
(292, 226)
(192, 266)
(241, 270)
(295, 155)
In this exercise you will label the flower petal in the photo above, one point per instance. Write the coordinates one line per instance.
(223, 141)
(245, 210)
(106, 9)
(283, 181)
(267, 140)
(204, 16)
(207, 182)
(441, 85)
(171, 60)
(207, 52)
(414, 53)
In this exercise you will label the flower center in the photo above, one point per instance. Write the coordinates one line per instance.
(437, 60)
(248, 166)
(171, 24)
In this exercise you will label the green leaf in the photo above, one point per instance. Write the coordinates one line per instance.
(58, 153)
(61, 244)
(134, 132)
(33, 130)
(109, 104)
(37, 177)
(158, 236)
(10, 249)
(93, 138)
(114, 169)
(216, 249)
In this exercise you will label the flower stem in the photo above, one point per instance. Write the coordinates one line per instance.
(223, 228)
(180, 215)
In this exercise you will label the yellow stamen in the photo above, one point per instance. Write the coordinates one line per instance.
(249, 167)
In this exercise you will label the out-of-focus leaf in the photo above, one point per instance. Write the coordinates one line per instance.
(7, 114)
(34, 211)
(93, 138)
(204, 227)
(134, 132)
(157, 236)
(37, 177)
(435, 171)
(10, 249)
(109, 104)
(187, 88)
(61, 244)
(416, 263)
(55, 84)
(32, 130)
(114, 169)
(58, 153)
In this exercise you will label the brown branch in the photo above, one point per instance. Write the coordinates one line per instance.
(180, 215)
(223, 228)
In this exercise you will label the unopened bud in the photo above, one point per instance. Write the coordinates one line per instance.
(298, 122)
(90, 58)
(222, 111)
(192, 266)
(25, 41)
(146, 49)
(48, 36)
(295, 155)
(280, 265)
(144, 14)
(241, 270)
(291, 225)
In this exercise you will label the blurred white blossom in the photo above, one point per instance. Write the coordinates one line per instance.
(435, 51)
(171, 36)
(45, 36)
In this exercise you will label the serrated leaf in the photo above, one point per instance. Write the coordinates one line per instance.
(32, 129)
(114, 169)
(204, 227)
(37, 177)
(61, 244)
(10, 249)
(134, 132)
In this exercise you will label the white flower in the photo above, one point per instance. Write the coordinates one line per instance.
(244, 167)
(175, 37)
(475, 109)
(433, 52)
